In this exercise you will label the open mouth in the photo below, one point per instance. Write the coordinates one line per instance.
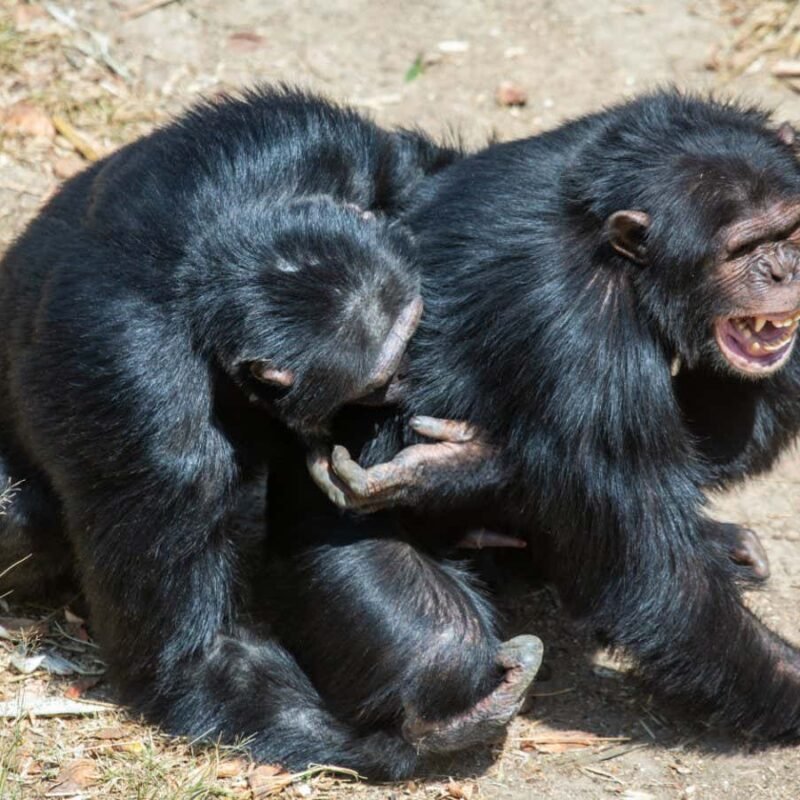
(757, 345)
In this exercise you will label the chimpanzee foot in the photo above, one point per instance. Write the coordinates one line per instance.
(486, 721)
(745, 549)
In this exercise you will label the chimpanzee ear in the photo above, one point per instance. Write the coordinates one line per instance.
(266, 372)
(787, 134)
(626, 232)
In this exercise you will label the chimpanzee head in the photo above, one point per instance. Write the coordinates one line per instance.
(717, 239)
(336, 301)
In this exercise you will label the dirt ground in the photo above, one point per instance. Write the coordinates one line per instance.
(79, 78)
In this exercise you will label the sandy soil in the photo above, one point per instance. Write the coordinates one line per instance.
(570, 57)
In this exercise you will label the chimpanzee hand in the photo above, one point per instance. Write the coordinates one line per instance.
(415, 474)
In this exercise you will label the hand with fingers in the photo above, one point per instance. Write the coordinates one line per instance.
(411, 477)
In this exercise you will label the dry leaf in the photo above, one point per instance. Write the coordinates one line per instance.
(81, 686)
(562, 741)
(786, 69)
(231, 767)
(136, 747)
(44, 706)
(74, 778)
(25, 119)
(245, 41)
(26, 665)
(459, 791)
(14, 628)
(110, 734)
(72, 618)
(268, 780)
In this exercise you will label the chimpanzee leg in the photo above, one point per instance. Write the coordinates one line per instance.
(395, 638)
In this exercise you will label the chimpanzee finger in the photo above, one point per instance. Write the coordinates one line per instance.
(372, 483)
(445, 430)
(355, 477)
(319, 467)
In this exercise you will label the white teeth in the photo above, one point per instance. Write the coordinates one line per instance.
(759, 324)
(754, 348)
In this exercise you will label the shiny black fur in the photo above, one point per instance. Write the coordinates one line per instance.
(131, 307)
(549, 340)
(380, 622)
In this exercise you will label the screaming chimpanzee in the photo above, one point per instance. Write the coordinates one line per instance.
(563, 276)
(175, 318)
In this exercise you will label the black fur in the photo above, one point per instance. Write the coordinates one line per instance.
(132, 307)
(545, 337)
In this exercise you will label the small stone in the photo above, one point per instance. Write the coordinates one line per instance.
(509, 94)
(67, 166)
(25, 119)
(453, 46)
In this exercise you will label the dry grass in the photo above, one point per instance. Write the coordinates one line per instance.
(54, 70)
(763, 36)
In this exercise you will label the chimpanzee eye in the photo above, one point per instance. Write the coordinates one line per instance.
(742, 250)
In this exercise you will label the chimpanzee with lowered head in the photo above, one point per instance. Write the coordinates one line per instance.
(614, 307)
(177, 318)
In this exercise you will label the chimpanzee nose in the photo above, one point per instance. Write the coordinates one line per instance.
(781, 265)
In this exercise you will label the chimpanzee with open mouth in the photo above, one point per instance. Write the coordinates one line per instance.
(614, 306)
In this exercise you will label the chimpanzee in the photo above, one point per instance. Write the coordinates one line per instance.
(614, 306)
(177, 317)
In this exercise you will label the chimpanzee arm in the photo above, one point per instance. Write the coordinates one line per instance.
(148, 477)
(460, 467)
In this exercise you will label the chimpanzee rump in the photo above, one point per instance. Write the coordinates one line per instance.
(566, 277)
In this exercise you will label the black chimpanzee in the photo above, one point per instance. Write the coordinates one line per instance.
(176, 318)
(614, 305)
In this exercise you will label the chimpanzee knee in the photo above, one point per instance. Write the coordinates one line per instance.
(382, 627)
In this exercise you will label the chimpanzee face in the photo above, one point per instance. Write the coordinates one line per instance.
(740, 303)
(345, 304)
(758, 276)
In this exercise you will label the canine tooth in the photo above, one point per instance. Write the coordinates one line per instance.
(760, 322)
(754, 347)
